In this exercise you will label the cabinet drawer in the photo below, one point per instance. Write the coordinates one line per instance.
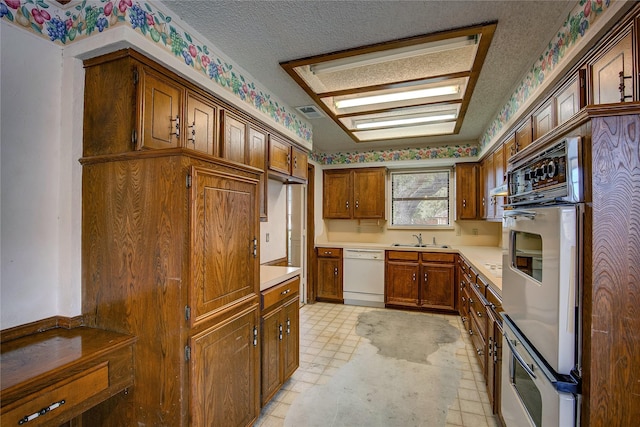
(438, 257)
(329, 252)
(494, 300)
(280, 292)
(63, 396)
(403, 255)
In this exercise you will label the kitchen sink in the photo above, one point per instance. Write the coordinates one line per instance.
(416, 245)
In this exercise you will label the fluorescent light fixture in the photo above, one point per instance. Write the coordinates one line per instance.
(405, 121)
(397, 96)
(382, 56)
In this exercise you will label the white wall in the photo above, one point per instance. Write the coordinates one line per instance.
(276, 227)
(33, 241)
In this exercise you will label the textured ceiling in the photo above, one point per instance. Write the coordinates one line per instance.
(258, 35)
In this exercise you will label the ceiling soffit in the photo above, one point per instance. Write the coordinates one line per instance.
(414, 87)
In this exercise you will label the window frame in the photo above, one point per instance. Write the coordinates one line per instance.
(452, 216)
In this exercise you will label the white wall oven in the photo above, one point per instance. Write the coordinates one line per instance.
(541, 293)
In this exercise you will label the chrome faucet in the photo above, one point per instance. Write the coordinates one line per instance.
(419, 237)
(434, 240)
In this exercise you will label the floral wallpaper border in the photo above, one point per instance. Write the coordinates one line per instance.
(78, 19)
(447, 152)
(575, 27)
(64, 24)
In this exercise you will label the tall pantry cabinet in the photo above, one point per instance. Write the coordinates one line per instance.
(169, 254)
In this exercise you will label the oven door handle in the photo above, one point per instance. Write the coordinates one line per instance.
(520, 214)
(521, 361)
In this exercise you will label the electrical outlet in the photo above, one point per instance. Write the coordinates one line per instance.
(474, 231)
(266, 237)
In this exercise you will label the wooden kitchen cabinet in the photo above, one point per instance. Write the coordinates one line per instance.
(202, 124)
(420, 280)
(225, 373)
(612, 72)
(233, 145)
(286, 162)
(544, 119)
(524, 135)
(257, 154)
(570, 98)
(329, 275)
(170, 255)
(280, 322)
(354, 193)
(129, 105)
(467, 191)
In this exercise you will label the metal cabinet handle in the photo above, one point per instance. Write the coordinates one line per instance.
(295, 162)
(41, 412)
(470, 332)
(426, 277)
(414, 277)
(193, 132)
(479, 314)
(285, 292)
(464, 203)
(347, 204)
(335, 271)
(479, 351)
(621, 86)
(280, 331)
(357, 204)
(177, 132)
(288, 326)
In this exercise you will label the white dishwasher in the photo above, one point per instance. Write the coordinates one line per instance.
(363, 280)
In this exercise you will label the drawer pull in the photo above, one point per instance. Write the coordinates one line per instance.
(41, 412)
(285, 292)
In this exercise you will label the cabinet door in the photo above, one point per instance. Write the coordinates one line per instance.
(369, 193)
(299, 163)
(498, 166)
(437, 286)
(161, 109)
(510, 147)
(279, 155)
(270, 359)
(258, 159)
(401, 283)
(466, 190)
(568, 100)
(605, 73)
(544, 119)
(234, 139)
(524, 136)
(336, 200)
(201, 124)
(225, 373)
(330, 279)
(291, 337)
(488, 183)
(223, 232)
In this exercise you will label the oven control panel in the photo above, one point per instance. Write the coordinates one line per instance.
(551, 175)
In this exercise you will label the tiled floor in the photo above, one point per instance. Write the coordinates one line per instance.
(328, 340)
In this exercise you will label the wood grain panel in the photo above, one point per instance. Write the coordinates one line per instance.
(225, 355)
(369, 193)
(161, 111)
(201, 124)
(612, 295)
(234, 141)
(223, 233)
(132, 241)
(337, 189)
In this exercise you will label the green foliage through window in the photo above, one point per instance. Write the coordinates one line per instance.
(421, 198)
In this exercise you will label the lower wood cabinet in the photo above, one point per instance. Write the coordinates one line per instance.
(225, 354)
(280, 322)
(423, 280)
(329, 275)
(480, 308)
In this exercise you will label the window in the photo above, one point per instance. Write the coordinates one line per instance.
(421, 199)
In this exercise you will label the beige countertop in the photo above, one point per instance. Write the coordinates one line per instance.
(486, 260)
(271, 275)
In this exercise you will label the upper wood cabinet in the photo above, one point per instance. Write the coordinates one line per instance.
(612, 77)
(258, 158)
(130, 105)
(544, 119)
(570, 98)
(286, 161)
(467, 191)
(234, 138)
(524, 135)
(354, 193)
(202, 124)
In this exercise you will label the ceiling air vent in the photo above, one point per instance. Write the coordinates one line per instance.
(310, 112)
